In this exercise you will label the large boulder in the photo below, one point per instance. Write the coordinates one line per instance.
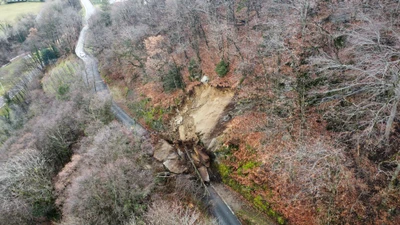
(204, 174)
(175, 166)
(202, 156)
(196, 159)
(163, 150)
(205, 79)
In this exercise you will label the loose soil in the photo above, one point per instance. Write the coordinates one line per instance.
(201, 114)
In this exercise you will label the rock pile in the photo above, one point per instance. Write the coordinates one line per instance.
(175, 160)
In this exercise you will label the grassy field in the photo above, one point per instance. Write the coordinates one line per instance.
(61, 75)
(9, 12)
(10, 74)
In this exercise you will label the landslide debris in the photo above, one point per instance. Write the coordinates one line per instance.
(192, 130)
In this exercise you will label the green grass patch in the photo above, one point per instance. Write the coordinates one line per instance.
(10, 12)
(4, 111)
(248, 192)
(245, 167)
(151, 115)
(250, 165)
(58, 79)
(10, 75)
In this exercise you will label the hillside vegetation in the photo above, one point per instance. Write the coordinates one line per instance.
(64, 159)
(311, 136)
(291, 104)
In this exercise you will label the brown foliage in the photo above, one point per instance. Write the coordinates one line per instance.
(283, 110)
(111, 186)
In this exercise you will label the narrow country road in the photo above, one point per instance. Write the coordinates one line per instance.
(220, 209)
(92, 78)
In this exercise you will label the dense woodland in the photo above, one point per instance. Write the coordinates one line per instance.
(316, 82)
(311, 135)
(63, 157)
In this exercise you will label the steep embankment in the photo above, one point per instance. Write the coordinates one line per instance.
(202, 114)
(197, 131)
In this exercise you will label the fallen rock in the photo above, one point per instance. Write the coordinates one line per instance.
(226, 118)
(204, 174)
(195, 159)
(175, 166)
(179, 120)
(213, 145)
(182, 133)
(173, 155)
(205, 79)
(147, 147)
(162, 150)
(180, 153)
(204, 158)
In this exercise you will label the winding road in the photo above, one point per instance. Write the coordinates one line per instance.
(92, 76)
(217, 205)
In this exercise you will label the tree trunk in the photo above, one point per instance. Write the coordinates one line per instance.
(392, 115)
(394, 177)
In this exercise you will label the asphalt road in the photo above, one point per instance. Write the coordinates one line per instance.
(220, 209)
(92, 78)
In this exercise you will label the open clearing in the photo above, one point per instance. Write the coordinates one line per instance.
(10, 12)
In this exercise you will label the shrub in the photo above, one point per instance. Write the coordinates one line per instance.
(222, 68)
(62, 91)
(99, 108)
(48, 55)
(55, 140)
(173, 80)
(194, 70)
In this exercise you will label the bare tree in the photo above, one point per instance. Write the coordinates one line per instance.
(25, 187)
(369, 70)
(171, 213)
